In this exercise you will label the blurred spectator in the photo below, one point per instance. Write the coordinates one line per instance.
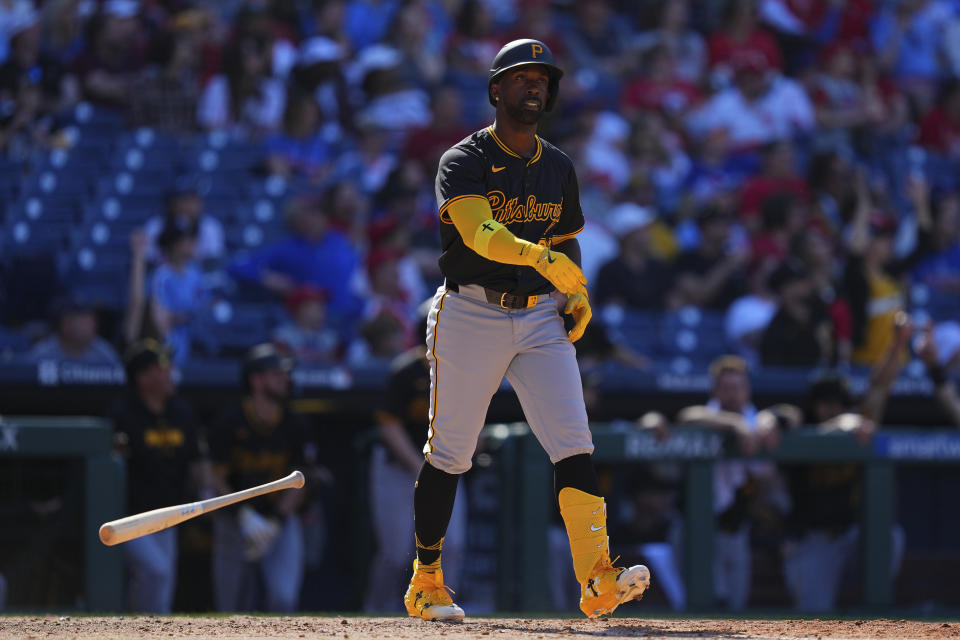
(823, 533)
(749, 315)
(390, 237)
(938, 347)
(311, 254)
(846, 106)
(598, 39)
(258, 548)
(814, 251)
(166, 460)
(301, 149)
(419, 34)
(244, 96)
(184, 208)
(115, 53)
(470, 49)
(870, 281)
(908, 37)
(366, 22)
(781, 218)
(306, 338)
(166, 93)
(179, 294)
(759, 107)
(381, 338)
(33, 84)
(742, 490)
(371, 161)
(940, 269)
(778, 176)
(426, 144)
(657, 157)
(395, 460)
(741, 38)
(633, 279)
(671, 30)
(659, 88)
(391, 102)
(75, 336)
(940, 126)
(319, 72)
(799, 335)
(712, 275)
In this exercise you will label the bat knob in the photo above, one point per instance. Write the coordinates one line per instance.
(107, 533)
(298, 479)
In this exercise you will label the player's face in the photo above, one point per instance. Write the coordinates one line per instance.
(523, 92)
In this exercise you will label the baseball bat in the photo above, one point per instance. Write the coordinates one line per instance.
(142, 524)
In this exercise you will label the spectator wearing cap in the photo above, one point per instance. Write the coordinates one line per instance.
(157, 434)
(306, 337)
(244, 97)
(311, 254)
(179, 294)
(760, 106)
(633, 279)
(598, 38)
(319, 72)
(391, 101)
(799, 335)
(939, 129)
(710, 275)
(184, 207)
(75, 336)
(258, 548)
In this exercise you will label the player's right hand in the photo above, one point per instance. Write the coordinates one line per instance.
(258, 533)
(558, 269)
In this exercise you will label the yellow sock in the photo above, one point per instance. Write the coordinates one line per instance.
(585, 518)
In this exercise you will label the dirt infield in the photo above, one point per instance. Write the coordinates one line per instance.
(336, 627)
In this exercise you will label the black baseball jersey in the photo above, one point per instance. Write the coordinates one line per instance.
(407, 398)
(161, 446)
(252, 453)
(536, 198)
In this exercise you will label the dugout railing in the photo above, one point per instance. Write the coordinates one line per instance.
(527, 484)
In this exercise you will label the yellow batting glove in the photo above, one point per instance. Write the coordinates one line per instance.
(579, 306)
(557, 268)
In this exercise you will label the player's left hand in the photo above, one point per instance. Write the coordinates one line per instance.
(578, 305)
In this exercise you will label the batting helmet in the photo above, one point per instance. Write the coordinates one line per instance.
(526, 51)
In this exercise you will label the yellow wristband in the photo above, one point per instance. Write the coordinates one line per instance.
(481, 240)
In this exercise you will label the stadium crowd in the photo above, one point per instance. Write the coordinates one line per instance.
(213, 175)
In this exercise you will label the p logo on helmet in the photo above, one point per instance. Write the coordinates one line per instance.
(521, 52)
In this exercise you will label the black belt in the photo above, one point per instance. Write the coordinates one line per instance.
(504, 300)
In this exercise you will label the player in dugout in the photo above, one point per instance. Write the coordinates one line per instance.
(157, 435)
(510, 210)
(258, 547)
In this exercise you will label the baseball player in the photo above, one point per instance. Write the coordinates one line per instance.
(510, 208)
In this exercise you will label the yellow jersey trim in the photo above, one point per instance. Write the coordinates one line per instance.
(444, 216)
(566, 236)
(436, 379)
(509, 151)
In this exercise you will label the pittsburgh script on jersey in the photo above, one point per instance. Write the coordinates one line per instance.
(512, 210)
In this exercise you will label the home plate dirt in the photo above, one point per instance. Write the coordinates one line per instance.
(337, 627)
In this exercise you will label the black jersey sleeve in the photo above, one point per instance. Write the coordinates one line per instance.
(460, 175)
(571, 220)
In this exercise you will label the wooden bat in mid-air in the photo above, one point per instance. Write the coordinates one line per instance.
(141, 524)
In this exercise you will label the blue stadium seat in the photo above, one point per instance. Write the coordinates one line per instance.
(56, 183)
(144, 183)
(135, 209)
